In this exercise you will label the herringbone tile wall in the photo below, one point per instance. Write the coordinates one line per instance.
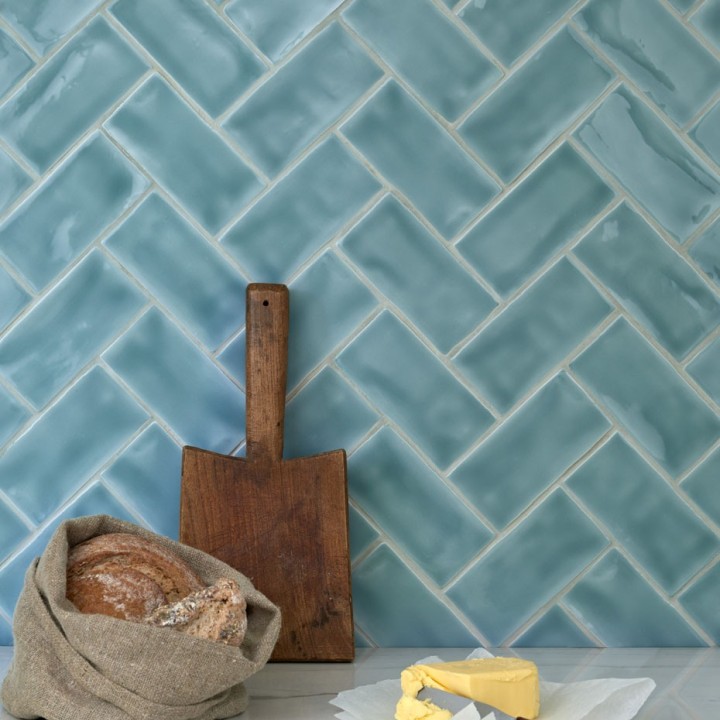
(500, 224)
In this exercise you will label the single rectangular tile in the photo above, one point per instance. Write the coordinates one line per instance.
(552, 88)
(13, 179)
(704, 368)
(183, 154)
(407, 267)
(707, 20)
(219, 68)
(700, 600)
(179, 382)
(63, 99)
(302, 99)
(644, 514)
(382, 585)
(554, 629)
(415, 153)
(624, 611)
(362, 534)
(6, 637)
(278, 26)
(532, 335)
(535, 220)
(325, 415)
(12, 298)
(707, 132)
(554, 428)
(14, 62)
(396, 488)
(655, 51)
(70, 442)
(181, 269)
(634, 145)
(426, 49)
(510, 27)
(702, 486)
(67, 212)
(68, 327)
(527, 568)
(301, 213)
(411, 386)
(12, 415)
(648, 397)
(705, 251)
(654, 284)
(328, 303)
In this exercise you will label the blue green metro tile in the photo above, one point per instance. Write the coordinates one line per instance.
(707, 132)
(181, 269)
(362, 534)
(652, 282)
(63, 99)
(70, 442)
(392, 484)
(14, 63)
(622, 610)
(648, 397)
(705, 251)
(701, 601)
(300, 213)
(12, 531)
(360, 640)
(147, 476)
(12, 416)
(302, 99)
(6, 636)
(67, 328)
(703, 486)
(13, 179)
(532, 335)
(414, 261)
(233, 358)
(634, 144)
(644, 514)
(705, 369)
(500, 130)
(554, 428)
(418, 41)
(327, 414)
(553, 629)
(69, 209)
(13, 298)
(545, 211)
(707, 20)
(414, 152)
(655, 51)
(527, 567)
(183, 154)
(409, 384)
(393, 606)
(682, 5)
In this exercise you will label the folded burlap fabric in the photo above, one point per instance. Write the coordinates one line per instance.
(73, 666)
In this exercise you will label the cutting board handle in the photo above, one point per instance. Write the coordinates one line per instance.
(266, 334)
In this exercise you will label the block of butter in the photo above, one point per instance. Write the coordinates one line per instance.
(510, 685)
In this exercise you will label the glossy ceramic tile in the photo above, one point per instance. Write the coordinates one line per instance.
(147, 476)
(362, 535)
(654, 283)
(705, 370)
(624, 611)
(395, 609)
(554, 428)
(318, 325)
(413, 262)
(563, 70)
(652, 402)
(395, 488)
(219, 68)
(14, 62)
(412, 387)
(302, 99)
(183, 154)
(554, 629)
(181, 269)
(532, 335)
(526, 568)
(326, 415)
(425, 49)
(277, 27)
(682, 5)
(706, 133)
(655, 51)
(44, 467)
(60, 102)
(13, 179)
(644, 513)
(633, 144)
(301, 213)
(67, 212)
(12, 416)
(232, 358)
(61, 334)
(701, 486)
(6, 637)
(535, 220)
(707, 20)
(705, 251)
(510, 27)
(415, 153)
(180, 383)
(13, 298)
(699, 601)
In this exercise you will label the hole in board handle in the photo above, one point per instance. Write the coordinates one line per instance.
(266, 303)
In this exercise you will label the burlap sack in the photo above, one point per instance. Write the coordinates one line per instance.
(71, 666)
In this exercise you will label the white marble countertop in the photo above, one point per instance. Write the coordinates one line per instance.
(688, 680)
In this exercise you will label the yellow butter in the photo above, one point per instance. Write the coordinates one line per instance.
(509, 684)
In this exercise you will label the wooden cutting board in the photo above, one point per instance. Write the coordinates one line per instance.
(282, 523)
